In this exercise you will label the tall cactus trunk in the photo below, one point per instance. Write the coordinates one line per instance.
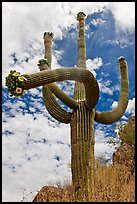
(82, 151)
(82, 131)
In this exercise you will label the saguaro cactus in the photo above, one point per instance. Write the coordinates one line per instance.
(86, 95)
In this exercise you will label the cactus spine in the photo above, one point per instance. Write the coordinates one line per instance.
(86, 95)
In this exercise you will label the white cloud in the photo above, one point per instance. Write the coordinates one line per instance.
(23, 25)
(56, 56)
(98, 21)
(114, 104)
(25, 151)
(104, 87)
(124, 15)
(31, 109)
(102, 148)
(130, 108)
(32, 148)
(124, 117)
(86, 7)
(94, 64)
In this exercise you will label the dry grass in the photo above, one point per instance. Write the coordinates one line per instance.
(112, 184)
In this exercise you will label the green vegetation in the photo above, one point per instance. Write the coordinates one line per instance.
(43, 61)
(127, 132)
(15, 83)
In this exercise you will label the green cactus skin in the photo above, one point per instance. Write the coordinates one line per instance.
(54, 108)
(115, 114)
(67, 100)
(51, 104)
(53, 87)
(48, 37)
(77, 74)
(82, 131)
(79, 90)
(82, 151)
(86, 95)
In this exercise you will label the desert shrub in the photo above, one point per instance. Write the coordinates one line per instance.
(127, 131)
(112, 184)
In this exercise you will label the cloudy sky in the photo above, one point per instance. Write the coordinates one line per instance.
(35, 147)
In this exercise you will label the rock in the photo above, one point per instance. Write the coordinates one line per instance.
(48, 194)
(125, 154)
(55, 194)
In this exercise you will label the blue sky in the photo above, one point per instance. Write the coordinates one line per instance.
(35, 147)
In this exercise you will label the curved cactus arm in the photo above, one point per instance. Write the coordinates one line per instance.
(115, 114)
(43, 65)
(77, 74)
(71, 103)
(53, 107)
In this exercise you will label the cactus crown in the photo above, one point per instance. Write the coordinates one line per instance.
(80, 14)
(15, 83)
(43, 61)
(121, 58)
(48, 34)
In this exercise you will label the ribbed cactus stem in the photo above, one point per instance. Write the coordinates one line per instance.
(82, 130)
(115, 114)
(67, 100)
(81, 41)
(53, 88)
(79, 90)
(82, 155)
(53, 107)
(51, 104)
(48, 37)
(81, 75)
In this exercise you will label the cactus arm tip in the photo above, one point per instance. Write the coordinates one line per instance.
(121, 58)
(115, 114)
(48, 34)
(80, 14)
(15, 83)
